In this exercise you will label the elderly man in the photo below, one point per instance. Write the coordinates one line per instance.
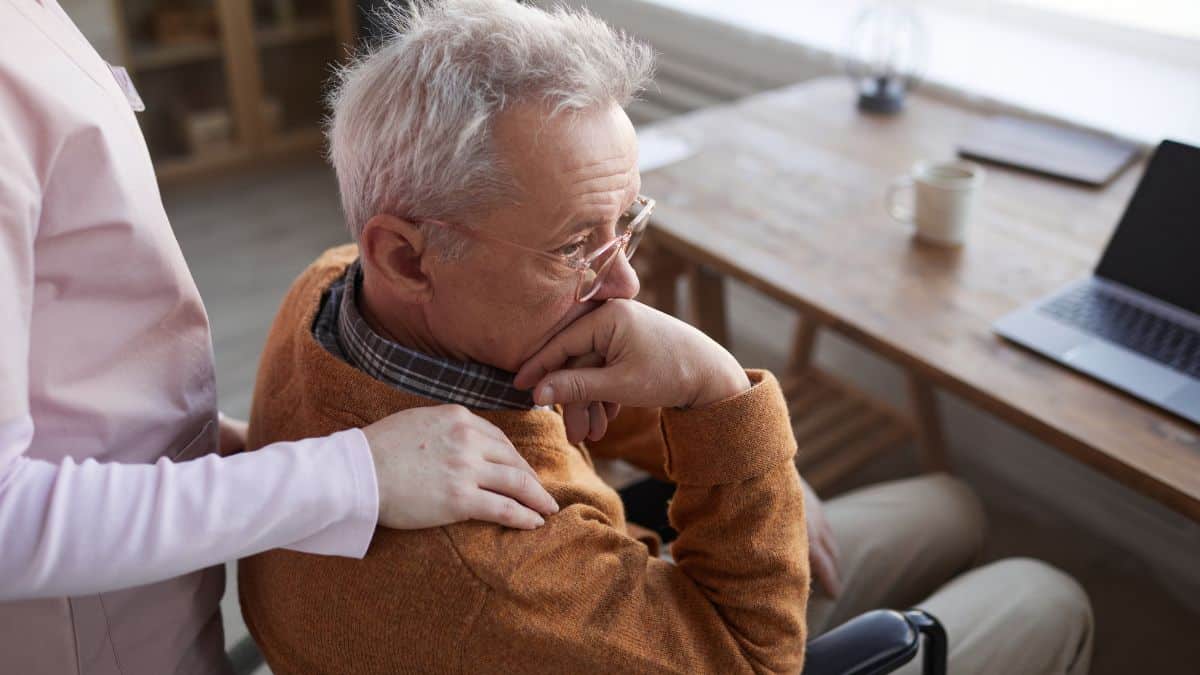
(489, 177)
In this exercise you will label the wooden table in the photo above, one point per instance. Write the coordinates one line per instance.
(786, 194)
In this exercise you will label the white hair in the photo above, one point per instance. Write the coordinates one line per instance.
(411, 127)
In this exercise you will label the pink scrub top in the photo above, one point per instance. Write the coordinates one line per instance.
(108, 416)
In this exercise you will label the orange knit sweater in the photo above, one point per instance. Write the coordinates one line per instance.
(578, 595)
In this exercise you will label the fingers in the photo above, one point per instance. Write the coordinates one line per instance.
(585, 419)
(599, 421)
(478, 423)
(583, 385)
(831, 543)
(592, 360)
(494, 508)
(824, 565)
(575, 418)
(508, 473)
(612, 410)
(822, 545)
(522, 486)
(588, 420)
(501, 451)
(577, 339)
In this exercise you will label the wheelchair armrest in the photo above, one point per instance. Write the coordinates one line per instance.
(869, 644)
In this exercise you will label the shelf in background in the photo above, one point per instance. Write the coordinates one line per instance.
(149, 56)
(283, 145)
(300, 30)
(154, 57)
(294, 140)
(203, 58)
(174, 169)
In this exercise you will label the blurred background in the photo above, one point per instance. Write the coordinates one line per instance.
(234, 106)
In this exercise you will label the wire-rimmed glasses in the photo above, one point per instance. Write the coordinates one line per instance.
(593, 266)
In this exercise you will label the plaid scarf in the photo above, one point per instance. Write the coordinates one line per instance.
(342, 331)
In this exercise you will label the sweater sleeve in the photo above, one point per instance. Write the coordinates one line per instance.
(582, 591)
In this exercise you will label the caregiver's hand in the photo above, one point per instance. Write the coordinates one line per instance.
(650, 360)
(442, 464)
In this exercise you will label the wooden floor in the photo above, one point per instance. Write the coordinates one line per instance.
(247, 237)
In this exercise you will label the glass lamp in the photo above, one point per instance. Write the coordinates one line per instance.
(885, 55)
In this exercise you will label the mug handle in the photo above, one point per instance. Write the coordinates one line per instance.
(897, 212)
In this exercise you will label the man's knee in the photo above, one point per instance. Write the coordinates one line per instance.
(949, 514)
(958, 499)
(1049, 598)
(1027, 615)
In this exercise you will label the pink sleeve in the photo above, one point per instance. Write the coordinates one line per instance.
(73, 528)
(78, 528)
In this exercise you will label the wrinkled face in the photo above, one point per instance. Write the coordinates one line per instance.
(577, 174)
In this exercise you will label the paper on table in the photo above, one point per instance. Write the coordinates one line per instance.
(657, 149)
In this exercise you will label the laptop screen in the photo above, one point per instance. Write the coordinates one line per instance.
(1156, 248)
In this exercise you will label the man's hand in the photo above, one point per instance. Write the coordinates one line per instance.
(650, 359)
(822, 548)
(231, 435)
(443, 464)
(588, 419)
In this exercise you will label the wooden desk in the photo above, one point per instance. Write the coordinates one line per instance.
(786, 195)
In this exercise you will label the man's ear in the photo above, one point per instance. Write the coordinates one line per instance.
(394, 250)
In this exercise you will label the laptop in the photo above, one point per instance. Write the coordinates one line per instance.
(1135, 323)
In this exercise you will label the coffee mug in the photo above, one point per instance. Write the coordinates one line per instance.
(943, 194)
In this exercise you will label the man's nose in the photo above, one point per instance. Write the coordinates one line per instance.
(621, 281)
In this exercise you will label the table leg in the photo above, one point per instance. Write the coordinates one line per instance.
(804, 346)
(659, 269)
(707, 292)
(931, 442)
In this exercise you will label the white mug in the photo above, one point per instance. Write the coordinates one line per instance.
(944, 193)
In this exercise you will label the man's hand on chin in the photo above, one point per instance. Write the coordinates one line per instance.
(588, 419)
(632, 355)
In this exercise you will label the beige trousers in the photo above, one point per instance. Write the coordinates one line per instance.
(911, 543)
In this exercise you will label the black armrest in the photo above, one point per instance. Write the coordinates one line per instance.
(877, 642)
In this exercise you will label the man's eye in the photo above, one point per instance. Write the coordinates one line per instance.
(572, 250)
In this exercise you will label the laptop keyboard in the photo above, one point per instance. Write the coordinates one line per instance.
(1130, 326)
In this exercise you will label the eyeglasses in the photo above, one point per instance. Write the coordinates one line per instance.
(591, 267)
